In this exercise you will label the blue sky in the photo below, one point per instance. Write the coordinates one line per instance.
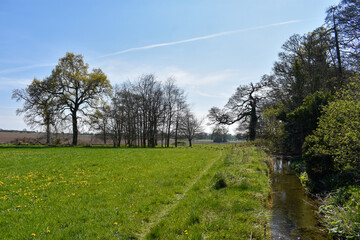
(209, 46)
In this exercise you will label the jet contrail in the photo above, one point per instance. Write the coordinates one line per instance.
(198, 38)
(19, 69)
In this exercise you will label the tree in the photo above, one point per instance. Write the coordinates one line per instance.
(190, 126)
(344, 21)
(219, 134)
(174, 100)
(334, 147)
(39, 104)
(241, 107)
(77, 90)
(100, 120)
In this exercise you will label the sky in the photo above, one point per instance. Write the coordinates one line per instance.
(209, 46)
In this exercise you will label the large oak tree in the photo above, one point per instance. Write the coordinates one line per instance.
(77, 89)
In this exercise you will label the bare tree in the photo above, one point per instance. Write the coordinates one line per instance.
(39, 105)
(241, 107)
(174, 100)
(190, 126)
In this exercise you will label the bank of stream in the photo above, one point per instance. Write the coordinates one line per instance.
(293, 212)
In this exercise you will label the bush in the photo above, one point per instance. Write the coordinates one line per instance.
(335, 145)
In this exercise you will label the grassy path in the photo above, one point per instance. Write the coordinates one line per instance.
(160, 216)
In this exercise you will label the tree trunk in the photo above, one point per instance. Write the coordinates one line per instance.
(337, 49)
(48, 133)
(176, 132)
(253, 122)
(75, 129)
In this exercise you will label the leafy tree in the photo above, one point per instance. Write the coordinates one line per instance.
(77, 90)
(39, 104)
(334, 147)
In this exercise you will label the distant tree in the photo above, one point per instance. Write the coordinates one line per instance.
(219, 134)
(174, 100)
(190, 126)
(100, 120)
(40, 106)
(77, 90)
(242, 107)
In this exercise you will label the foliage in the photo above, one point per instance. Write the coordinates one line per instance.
(274, 128)
(341, 211)
(334, 146)
(77, 90)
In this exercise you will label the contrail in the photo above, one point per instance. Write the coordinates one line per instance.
(198, 38)
(19, 69)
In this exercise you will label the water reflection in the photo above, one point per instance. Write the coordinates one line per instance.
(292, 212)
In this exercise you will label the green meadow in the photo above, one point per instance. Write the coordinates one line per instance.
(205, 192)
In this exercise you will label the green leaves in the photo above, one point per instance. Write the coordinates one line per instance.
(335, 144)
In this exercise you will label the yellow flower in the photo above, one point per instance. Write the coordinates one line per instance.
(115, 223)
(186, 232)
(48, 230)
(33, 234)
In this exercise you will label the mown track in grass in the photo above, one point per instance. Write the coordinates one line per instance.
(87, 193)
(230, 201)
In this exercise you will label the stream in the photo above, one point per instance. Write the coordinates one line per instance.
(293, 214)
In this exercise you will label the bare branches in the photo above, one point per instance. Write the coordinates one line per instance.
(241, 107)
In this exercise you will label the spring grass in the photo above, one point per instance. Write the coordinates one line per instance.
(105, 193)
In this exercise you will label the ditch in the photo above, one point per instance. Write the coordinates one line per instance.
(293, 212)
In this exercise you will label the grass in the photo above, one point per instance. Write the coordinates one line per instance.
(105, 193)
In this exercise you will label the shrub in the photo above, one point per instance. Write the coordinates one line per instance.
(335, 145)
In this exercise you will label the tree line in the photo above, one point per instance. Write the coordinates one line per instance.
(309, 104)
(141, 113)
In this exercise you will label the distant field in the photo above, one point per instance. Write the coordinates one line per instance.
(40, 138)
(106, 193)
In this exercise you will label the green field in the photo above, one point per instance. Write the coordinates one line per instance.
(205, 192)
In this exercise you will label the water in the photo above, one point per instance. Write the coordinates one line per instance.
(293, 211)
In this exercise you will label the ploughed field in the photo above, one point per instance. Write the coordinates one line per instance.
(205, 192)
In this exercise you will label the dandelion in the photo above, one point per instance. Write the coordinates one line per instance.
(115, 223)
(33, 234)
(48, 230)
(186, 232)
